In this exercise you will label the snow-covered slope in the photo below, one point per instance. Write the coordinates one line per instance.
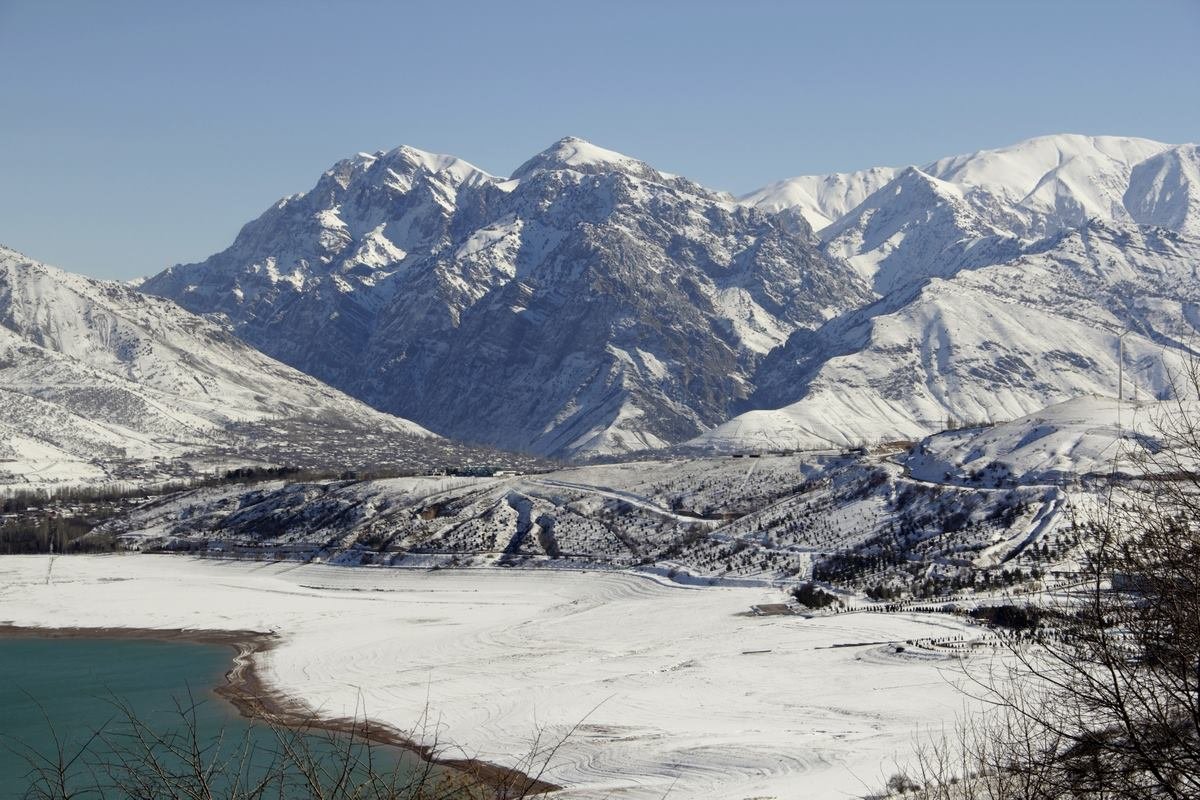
(821, 199)
(917, 227)
(986, 345)
(588, 304)
(99, 381)
(1164, 190)
(1058, 181)
(1002, 278)
(1084, 436)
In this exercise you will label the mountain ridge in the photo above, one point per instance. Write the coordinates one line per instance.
(612, 282)
(590, 304)
(1024, 173)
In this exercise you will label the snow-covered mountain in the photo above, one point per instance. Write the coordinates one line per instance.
(592, 304)
(1002, 280)
(821, 199)
(1052, 181)
(99, 381)
(587, 304)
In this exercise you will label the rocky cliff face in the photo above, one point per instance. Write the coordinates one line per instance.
(588, 304)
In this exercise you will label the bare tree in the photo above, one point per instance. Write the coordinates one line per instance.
(1104, 701)
(131, 758)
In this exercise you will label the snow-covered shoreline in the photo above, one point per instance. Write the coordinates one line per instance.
(668, 688)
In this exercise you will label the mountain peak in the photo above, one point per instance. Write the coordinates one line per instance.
(580, 155)
(431, 162)
(905, 199)
(407, 160)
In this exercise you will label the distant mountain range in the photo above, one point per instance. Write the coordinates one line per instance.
(590, 304)
(1002, 281)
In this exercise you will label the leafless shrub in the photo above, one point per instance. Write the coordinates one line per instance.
(131, 758)
(1104, 702)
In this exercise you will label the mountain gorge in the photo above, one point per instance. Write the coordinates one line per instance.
(591, 304)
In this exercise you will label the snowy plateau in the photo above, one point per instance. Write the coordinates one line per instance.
(593, 447)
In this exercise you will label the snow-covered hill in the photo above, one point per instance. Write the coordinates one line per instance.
(588, 304)
(1081, 437)
(98, 381)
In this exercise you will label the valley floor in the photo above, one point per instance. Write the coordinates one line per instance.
(675, 691)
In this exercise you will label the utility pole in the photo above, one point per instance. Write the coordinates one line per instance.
(1120, 386)
(50, 562)
(1121, 375)
(1121, 366)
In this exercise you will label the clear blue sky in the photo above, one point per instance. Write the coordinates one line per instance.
(134, 135)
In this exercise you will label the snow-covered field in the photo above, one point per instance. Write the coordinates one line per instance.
(679, 693)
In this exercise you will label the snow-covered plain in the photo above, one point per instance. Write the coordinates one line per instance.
(677, 692)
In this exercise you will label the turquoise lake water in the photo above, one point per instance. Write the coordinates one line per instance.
(73, 682)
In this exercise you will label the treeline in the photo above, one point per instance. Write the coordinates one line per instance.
(1022, 617)
(62, 519)
(48, 534)
(19, 500)
(811, 596)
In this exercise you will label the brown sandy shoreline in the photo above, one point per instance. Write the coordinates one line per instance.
(246, 691)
